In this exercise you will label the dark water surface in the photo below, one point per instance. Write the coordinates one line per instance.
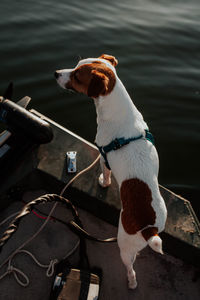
(157, 44)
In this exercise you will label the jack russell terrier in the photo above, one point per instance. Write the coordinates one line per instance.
(127, 149)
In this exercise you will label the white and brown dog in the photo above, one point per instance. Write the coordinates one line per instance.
(127, 149)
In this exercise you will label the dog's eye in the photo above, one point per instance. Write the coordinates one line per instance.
(76, 78)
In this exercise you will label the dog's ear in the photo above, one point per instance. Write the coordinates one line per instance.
(110, 58)
(98, 84)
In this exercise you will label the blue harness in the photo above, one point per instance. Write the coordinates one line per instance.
(119, 143)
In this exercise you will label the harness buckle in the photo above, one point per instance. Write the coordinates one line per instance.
(117, 144)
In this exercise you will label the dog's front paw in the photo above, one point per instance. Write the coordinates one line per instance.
(132, 284)
(104, 183)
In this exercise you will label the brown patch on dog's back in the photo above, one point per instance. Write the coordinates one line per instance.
(137, 210)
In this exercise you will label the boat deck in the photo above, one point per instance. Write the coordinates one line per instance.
(174, 275)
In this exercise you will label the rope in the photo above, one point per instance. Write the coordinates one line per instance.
(9, 217)
(50, 267)
(27, 209)
(14, 270)
(13, 227)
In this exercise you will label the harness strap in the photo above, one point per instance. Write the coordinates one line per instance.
(120, 142)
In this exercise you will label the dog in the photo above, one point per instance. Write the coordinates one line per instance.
(127, 148)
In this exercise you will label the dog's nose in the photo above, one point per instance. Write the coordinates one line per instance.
(56, 74)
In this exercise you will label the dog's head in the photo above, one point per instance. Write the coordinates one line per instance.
(92, 76)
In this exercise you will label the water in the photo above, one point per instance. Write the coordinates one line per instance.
(158, 47)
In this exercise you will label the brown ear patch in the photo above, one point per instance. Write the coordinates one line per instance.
(98, 84)
(102, 80)
(137, 210)
(110, 58)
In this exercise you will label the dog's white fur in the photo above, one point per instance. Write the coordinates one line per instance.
(117, 117)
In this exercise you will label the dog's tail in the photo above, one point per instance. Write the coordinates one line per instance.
(150, 234)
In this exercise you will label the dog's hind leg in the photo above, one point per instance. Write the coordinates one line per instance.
(105, 177)
(128, 260)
